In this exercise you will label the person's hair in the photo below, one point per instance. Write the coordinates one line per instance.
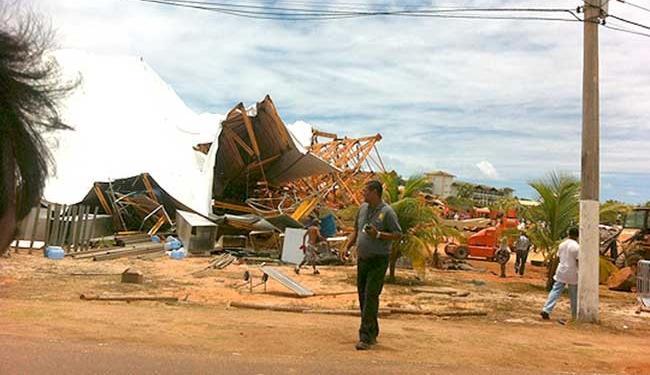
(574, 232)
(29, 90)
(375, 185)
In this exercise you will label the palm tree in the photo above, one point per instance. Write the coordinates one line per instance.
(557, 211)
(423, 230)
(421, 224)
(395, 191)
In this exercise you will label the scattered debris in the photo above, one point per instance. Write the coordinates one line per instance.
(456, 265)
(622, 280)
(133, 276)
(127, 252)
(288, 282)
(219, 262)
(354, 312)
(446, 291)
(128, 298)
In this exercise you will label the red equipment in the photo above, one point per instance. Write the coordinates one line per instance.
(485, 243)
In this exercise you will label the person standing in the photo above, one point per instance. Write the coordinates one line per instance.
(311, 248)
(502, 256)
(522, 247)
(376, 227)
(566, 275)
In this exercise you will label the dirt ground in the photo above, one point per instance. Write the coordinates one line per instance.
(41, 313)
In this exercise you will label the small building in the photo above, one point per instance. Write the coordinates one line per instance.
(441, 182)
(482, 195)
(197, 233)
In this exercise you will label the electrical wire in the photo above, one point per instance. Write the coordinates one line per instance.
(630, 22)
(634, 5)
(616, 28)
(295, 13)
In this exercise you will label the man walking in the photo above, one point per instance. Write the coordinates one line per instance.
(566, 275)
(522, 246)
(376, 226)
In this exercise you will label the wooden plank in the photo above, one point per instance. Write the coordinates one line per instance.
(149, 187)
(54, 235)
(75, 227)
(90, 227)
(35, 227)
(48, 224)
(263, 162)
(130, 252)
(237, 139)
(250, 131)
(82, 225)
(127, 298)
(102, 199)
(233, 207)
(157, 226)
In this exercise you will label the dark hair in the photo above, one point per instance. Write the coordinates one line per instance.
(375, 186)
(574, 232)
(30, 89)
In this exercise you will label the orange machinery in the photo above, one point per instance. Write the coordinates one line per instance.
(484, 243)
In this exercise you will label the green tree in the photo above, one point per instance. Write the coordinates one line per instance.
(423, 231)
(396, 189)
(505, 204)
(558, 210)
(613, 210)
(421, 224)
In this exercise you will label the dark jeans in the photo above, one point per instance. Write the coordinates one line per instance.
(520, 262)
(370, 282)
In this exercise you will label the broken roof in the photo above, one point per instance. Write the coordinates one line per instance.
(255, 145)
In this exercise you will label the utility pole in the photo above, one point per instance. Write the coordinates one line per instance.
(588, 261)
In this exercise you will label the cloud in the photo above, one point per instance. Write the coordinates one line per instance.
(444, 93)
(488, 169)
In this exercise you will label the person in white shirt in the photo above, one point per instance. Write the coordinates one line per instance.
(566, 275)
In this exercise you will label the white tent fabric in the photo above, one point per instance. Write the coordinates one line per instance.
(127, 121)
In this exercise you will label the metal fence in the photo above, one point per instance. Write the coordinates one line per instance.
(643, 282)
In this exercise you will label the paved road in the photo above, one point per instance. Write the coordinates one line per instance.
(22, 355)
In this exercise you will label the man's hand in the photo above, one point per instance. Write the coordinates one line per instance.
(372, 231)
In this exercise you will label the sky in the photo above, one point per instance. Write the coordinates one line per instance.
(490, 101)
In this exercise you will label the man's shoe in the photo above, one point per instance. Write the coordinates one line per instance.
(545, 315)
(362, 345)
(296, 270)
(316, 272)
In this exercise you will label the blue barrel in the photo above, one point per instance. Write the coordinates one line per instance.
(54, 252)
(328, 226)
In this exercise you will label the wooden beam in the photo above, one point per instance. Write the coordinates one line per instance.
(263, 162)
(250, 131)
(102, 199)
(147, 184)
(231, 134)
(233, 207)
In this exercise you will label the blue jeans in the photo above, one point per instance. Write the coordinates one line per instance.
(556, 292)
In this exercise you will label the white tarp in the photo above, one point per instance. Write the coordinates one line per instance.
(127, 121)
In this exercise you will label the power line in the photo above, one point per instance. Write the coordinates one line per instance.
(297, 13)
(629, 22)
(634, 5)
(616, 28)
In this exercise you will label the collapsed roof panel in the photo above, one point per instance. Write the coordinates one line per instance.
(255, 148)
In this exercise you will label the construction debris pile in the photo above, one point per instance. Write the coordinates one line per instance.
(267, 180)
